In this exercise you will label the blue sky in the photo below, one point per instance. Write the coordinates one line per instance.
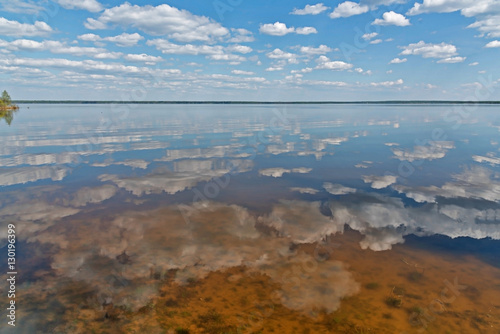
(251, 50)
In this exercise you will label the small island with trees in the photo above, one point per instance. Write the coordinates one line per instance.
(7, 108)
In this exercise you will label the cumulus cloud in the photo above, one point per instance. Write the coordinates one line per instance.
(476, 182)
(124, 39)
(159, 20)
(303, 190)
(348, 8)
(387, 83)
(55, 47)
(325, 63)
(310, 10)
(466, 7)
(215, 52)
(491, 159)
(434, 150)
(134, 163)
(301, 222)
(392, 18)
(311, 51)
(280, 54)
(17, 29)
(489, 25)
(275, 29)
(306, 31)
(174, 182)
(398, 61)
(429, 50)
(88, 195)
(380, 182)
(451, 60)
(86, 66)
(18, 6)
(241, 36)
(280, 29)
(22, 175)
(90, 5)
(493, 44)
(279, 171)
(369, 36)
(337, 189)
(142, 58)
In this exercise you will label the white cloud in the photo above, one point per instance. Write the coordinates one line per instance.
(309, 50)
(429, 50)
(280, 54)
(55, 47)
(177, 24)
(142, 58)
(392, 18)
(492, 160)
(398, 61)
(90, 5)
(452, 60)
(275, 29)
(275, 67)
(493, 44)
(489, 26)
(306, 31)
(474, 63)
(280, 29)
(87, 195)
(310, 10)
(486, 11)
(348, 8)
(361, 71)
(304, 70)
(22, 175)
(338, 189)
(476, 182)
(434, 150)
(214, 52)
(91, 66)
(369, 36)
(241, 36)
(239, 49)
(17, 6)
(240, 72)
(124, 40)
(279, 171)
(380, 182)
(310, 191)
(376, 41)
(325, 63)
(17, 29)
(466, 7)
(387, 83)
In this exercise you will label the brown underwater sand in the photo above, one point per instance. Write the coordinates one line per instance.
(409, 289)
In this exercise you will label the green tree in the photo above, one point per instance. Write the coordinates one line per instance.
(6, 98)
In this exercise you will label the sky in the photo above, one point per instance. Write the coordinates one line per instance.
(250, 50)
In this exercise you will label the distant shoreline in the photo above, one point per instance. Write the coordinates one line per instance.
(254, 102)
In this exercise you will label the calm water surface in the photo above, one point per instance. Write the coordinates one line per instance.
(252, 218)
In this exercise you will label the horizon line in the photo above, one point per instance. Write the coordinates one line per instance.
(256, 102)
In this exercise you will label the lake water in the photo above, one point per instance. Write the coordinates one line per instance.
(252, 218)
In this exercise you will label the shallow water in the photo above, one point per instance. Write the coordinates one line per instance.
(248, 218)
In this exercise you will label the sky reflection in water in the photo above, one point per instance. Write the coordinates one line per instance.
(103, 196)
